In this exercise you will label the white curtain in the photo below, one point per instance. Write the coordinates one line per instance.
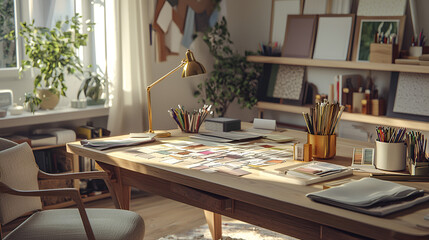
(128, 64)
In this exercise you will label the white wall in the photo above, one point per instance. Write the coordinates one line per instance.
(248, 23)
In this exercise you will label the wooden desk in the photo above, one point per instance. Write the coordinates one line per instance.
(256, 199)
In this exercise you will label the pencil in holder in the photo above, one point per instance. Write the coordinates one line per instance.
(190, 122)
(323, 146)
(322, 122)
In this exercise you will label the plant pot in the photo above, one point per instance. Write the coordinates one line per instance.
(50, 97)
(92, 102)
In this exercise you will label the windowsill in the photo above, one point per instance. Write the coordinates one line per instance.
(57, 115)
(9, 73)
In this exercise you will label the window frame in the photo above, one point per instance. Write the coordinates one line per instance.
(13, 72)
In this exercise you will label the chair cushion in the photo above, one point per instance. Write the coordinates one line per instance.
(5, 143)
(66, 224)
(18, 170)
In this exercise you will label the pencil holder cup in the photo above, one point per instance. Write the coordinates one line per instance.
(390, 156)
(418, 168)
(323, 146)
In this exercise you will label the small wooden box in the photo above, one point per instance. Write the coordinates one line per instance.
(383, 53)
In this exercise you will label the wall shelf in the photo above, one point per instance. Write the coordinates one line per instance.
(354, 117)
(57, 115)
(340, 64)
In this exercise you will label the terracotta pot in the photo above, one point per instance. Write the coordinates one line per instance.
(50, 97)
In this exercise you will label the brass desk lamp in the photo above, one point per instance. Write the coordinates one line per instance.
(190, 68)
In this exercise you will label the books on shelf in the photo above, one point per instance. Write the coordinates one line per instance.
(371, 196)
(62, 135)
(42, 140)
(309, 173)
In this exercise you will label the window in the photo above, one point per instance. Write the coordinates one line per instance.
(8, 48)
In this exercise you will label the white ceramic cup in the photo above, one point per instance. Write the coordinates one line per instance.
(415, 51)
(390, 156)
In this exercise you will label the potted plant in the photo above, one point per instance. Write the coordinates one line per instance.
(93, 87)
(54, 53)
(232, 76)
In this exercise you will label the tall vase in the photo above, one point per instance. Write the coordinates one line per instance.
(50, 97)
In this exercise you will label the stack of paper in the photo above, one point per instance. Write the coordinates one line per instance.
(371, 196)
(309, 173)
(106, 144)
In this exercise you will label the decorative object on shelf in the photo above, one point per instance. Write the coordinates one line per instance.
(334, 37)
(190, 122)
(369, 29)
(390, 148)
(315, 6)
(300, 35)
(381, 7)
(55, 53)
(417, 160)
(238, 83)
(31, 102)
(282, 84)
(408, 96)
(49, 97)
(6, 99)
(16, 110)
(93, 87)
(383, 53)
(321, 125)
(190, 68)
(78, 103)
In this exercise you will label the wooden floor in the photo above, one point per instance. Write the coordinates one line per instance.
(162, 216)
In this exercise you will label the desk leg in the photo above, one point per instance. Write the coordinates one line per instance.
(123, 192)
(214, 221)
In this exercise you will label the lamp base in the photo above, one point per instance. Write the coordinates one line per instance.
(160, 134)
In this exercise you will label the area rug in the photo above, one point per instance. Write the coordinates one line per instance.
(234, 230)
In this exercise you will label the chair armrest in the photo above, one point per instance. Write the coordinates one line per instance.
(72, 192)
(84, 175)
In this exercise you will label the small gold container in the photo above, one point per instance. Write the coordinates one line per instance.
(323, 146)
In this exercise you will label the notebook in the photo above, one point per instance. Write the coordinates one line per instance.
(371, 196)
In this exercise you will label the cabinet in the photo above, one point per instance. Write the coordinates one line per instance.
(356, 117)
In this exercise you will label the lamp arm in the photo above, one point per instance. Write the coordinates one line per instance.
(149, 106)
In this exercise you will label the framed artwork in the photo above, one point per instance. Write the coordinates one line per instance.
(367, 28)
(334, 37)
(282, 84)
(300, 35)
(408, 97)
(280, 9)
(315, 6)
(381, 7)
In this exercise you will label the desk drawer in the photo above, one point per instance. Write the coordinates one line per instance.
(217, 202)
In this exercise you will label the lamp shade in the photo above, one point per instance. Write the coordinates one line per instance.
(192, 67)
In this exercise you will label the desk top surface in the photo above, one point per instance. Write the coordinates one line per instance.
(276, 195)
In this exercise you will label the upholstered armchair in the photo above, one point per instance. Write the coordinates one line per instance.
(20, 194)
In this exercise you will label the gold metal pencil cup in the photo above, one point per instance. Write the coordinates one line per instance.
(323, 146)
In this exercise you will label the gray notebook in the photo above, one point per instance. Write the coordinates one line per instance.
(371, 196)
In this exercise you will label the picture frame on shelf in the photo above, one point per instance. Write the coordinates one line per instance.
(366, 29)
(300, 36)
(280, 9)
(334, 37)
(417, 103)
(283, 84)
